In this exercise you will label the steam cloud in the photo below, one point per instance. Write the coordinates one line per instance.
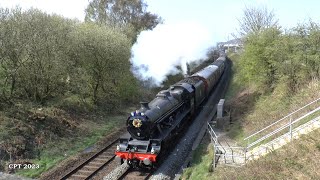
(168, 45)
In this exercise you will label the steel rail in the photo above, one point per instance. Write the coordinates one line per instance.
(73, 171)
(125, 174)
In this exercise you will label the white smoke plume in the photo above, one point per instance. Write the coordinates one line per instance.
(168, 45)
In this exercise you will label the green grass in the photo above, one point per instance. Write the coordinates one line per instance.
(235, 131)
(318, 146)
(201, 164)
(235, 85)
(56, 151)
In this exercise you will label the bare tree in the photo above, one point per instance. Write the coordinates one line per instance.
(255, 19)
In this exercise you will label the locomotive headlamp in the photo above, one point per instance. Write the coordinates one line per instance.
(152, 150)
(137, 123)
(118, 148)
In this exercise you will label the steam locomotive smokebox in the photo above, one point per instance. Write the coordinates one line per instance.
(223, 118)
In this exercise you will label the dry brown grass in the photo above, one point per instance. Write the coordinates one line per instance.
(252, 111)
(297, 160)
(272, 107)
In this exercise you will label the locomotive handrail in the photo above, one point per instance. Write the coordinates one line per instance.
(281, 119)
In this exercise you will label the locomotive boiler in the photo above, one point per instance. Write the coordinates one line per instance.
(152, 129)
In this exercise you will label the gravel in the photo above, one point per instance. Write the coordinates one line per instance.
(4, 176)
(118, 172)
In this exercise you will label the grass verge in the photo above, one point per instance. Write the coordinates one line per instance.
(201, 164)
(296, 160)
(55, 151)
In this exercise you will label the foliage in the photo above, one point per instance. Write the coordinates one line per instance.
(52, 70)
(32, 49)
(272, 57)
(130, 16)
(102, 55)
(258, 60)
(46, 56)
(277, 73)
(252, 112)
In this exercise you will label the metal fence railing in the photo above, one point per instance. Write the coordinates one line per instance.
(230, 155)
(283, 127)
(285, 124)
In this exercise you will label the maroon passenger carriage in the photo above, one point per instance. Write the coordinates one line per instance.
(154, 127)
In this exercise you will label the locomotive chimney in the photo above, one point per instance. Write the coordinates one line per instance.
(144, 105)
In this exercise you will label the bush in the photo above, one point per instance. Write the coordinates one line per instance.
(271, 58)
(47, 56)
(33, 56)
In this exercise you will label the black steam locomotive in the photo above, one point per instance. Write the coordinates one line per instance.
(153, 127)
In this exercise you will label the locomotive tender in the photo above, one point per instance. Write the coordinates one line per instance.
(154, 127)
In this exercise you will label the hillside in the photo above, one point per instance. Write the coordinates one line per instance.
(251, 110)
(297, 160)
(60, 98)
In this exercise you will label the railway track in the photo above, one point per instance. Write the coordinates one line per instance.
(93, 165)
(132, 174)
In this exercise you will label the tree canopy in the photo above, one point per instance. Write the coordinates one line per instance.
(47, 56)
(127, 15)
(272, 57)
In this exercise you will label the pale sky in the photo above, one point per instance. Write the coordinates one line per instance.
(218, 16)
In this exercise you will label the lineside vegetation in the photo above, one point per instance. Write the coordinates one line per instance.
(276, 72)
(61, 81)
